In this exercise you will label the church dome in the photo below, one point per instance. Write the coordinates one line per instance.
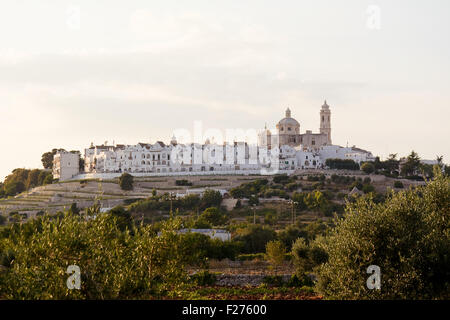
(288, 120)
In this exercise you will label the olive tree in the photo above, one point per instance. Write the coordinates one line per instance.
(407, 236)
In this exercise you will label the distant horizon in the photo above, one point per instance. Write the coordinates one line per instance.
(76, 72)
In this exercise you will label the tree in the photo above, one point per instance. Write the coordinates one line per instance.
(307, 256)
(14, 187)
(368, 167)
(74, 209)
(33, 179)
(342, 164)
(275, 254)
(407, 236)
(126, 181)
(255, 238)
(411, 165)
(190, 201)
(113, 264)
(314, 199)
(289, 235)
(47, 158)
(48, 179)
(253, 200)
(211, 198)
(214, 216)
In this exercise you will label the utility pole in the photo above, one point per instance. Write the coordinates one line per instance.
(293, 210)
(254, 210)
(171, 212)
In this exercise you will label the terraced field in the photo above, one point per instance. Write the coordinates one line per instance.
(56, 197)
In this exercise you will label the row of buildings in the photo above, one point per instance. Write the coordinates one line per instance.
(285, 151)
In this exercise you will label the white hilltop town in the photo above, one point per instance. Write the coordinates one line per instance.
(285, 151)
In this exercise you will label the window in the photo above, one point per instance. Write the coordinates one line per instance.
(289, 128)
(323, 118)
(313, 142)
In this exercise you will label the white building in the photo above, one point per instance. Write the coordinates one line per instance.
(285, 152)
(212, 233)
(66, 165)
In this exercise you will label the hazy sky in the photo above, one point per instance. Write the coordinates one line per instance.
(76, 72)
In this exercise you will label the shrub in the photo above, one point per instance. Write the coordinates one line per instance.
(113, 264)
(398, 184)
(367, 188)
(204, 278)
(368, 167)
(275, 253)
(183, 183)
(342, 164)
(255, 238)
(407, 236)
(280, 178)
(214, 216)
(211, 198)
(126, 181)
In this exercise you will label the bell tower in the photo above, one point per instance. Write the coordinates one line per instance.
(325, 121)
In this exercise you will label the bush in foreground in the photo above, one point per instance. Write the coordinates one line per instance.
(114, 264)
(407, 236)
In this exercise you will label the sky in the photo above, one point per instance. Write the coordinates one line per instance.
(76, 72)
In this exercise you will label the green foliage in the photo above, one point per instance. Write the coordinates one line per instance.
(48, 179)
(280, 178)
(255, 238)
(190, 202)
(253, 200)
(114, 264)
(307, 256)
(214, 216)
(23, 179)
(124, 220)
(211, 198)
(47, 159)
(367, 188)
(341, 179)
(126, 181)
(314, 200)
(204, 278)
(407, 236)
(183, 183)
(289, 235)
(198, 248)
(247, 190)
(368, 167)
(347, 164)
(398, 184)
(275, 253)
(74, 209)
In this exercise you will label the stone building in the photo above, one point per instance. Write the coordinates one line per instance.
(288, 132)
(66, 165)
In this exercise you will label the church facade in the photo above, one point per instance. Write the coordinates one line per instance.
(288, 132)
